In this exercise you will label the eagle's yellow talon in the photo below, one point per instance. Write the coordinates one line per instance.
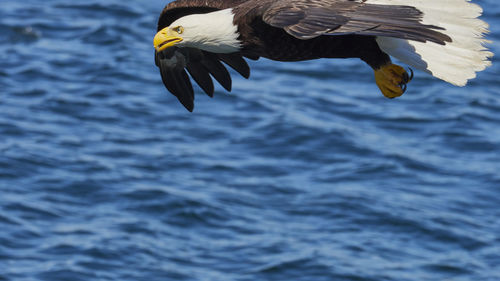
(392, 79)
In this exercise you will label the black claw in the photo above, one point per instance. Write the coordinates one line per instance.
(411, 75)
(405, 78)
(403, 87)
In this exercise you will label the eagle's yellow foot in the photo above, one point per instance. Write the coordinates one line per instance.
(392, 80)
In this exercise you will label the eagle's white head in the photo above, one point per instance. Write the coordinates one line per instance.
(214, 32)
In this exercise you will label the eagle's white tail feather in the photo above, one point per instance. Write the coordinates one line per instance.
(457, 61)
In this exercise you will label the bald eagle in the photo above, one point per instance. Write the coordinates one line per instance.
(441, 37)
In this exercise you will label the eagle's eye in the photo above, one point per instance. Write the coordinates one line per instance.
(179, 29)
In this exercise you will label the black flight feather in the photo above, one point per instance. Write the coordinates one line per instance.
(201, 76)
(236, 62)
(216, 69)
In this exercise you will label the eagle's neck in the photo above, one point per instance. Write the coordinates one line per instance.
(213, 32)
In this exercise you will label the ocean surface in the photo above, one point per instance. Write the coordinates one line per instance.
(303, 172)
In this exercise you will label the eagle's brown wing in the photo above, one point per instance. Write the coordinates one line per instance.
(306, 19)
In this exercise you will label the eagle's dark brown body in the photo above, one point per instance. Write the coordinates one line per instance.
(276, 44)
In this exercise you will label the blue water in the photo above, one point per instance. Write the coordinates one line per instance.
(304, 172)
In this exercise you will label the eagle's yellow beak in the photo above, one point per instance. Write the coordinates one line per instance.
(166, 38)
